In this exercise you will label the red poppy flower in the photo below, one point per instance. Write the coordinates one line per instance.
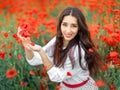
(32, 72)
(45, 67)
(9, 46)
(15, 36)
(43, 15)
(22, 83)
(2, 54)
(5, 34)
(26, 30)
(51, 22)
(90, 50)
(29, 13)
(42, 87)
(2, 45)
(116, 60)
(10, 54)
(11, 73)
(100, 83)
(105, 67)
(43, 73)
(113, 54)
(19, 57)
(42, 32)
(108, 28)
(110, 41)
(112, 86)
(58, 87)
(103, 38)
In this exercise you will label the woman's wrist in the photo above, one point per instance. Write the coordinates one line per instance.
(29, 54)
(39, 50)
(28, 50)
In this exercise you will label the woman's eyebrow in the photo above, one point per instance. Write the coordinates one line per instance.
(70, 23)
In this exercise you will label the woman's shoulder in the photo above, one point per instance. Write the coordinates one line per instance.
(50, 42)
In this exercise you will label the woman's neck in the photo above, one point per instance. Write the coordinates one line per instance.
(65, 43)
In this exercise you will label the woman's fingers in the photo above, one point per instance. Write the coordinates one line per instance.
(35, 47)
(27, 47)
(27, 40)
(18, 33)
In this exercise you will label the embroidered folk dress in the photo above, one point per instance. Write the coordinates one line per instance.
(66, 74)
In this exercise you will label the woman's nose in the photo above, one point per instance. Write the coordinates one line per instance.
(68, 29)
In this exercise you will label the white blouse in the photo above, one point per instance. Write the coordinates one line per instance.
(67, 74)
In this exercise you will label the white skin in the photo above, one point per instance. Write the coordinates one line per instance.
(69, 29)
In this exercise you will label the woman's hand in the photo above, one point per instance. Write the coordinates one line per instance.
(35, 47)
(27, 42)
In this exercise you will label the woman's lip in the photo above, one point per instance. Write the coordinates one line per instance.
(68, 35)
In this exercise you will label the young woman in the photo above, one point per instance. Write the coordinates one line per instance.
(70, 57)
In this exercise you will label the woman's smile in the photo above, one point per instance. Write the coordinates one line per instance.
(68, 35)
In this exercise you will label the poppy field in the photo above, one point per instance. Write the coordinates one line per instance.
(40, 18)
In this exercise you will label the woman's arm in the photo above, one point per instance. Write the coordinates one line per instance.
(40, 54)
(32, 57)
(45, 59)
(29, 54)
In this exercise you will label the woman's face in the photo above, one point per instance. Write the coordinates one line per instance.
(69, 28)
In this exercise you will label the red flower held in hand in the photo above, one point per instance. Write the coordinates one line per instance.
(11, 73)
(25, 26)
(32, 43)
(26, 30)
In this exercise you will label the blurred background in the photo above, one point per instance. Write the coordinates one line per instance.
(103, 19)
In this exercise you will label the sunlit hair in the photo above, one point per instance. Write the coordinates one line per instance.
(82, 39)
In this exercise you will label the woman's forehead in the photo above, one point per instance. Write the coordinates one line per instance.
(70, 19)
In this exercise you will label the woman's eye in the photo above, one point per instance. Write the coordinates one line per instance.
(64, 24)
(74, 26)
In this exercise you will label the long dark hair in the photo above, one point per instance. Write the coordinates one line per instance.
(82, 39)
